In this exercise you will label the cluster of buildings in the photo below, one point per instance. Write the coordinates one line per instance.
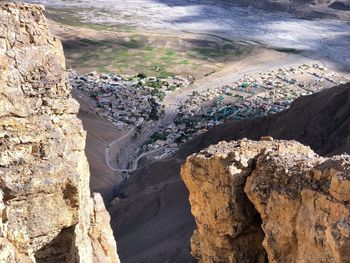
(250, 97)
(124, 100)
(137, 101)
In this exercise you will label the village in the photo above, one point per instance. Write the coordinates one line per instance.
(127, 101)
(250, 97)
(137, 101)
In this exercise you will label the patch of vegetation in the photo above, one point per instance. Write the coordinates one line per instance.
(126, 28)
(158, 136)
(161, 71)
(97, 27)
(190, 123)
(102, 69)
(287, 50)
(132, 44)
(72, 17)
(148, 56)
(165, 74)
(195, 93)
(154, 84)
(211, 53)
(181, 138)
(157, 67)
(148, 48)
(184, 62)
(154, 111)
(158, 93)
(169, 55)
(133, 52)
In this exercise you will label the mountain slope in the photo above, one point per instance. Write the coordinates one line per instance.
(320, 120)
(155, 200)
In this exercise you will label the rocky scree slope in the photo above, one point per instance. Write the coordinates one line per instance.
(268, 201)
(46, 212)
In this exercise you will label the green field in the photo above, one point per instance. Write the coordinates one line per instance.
(129, 51)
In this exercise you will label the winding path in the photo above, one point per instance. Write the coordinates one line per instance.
(134, 162)
(112, 144)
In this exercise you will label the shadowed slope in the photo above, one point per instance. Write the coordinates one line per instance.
(154, 201)
(321, 121)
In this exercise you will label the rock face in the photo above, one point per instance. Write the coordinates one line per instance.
(46, 212)
(301, 201)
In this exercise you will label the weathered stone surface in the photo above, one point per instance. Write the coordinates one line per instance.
(300, 198)
(228, 228)
(101, 234)
(46, 212)
(303, 203)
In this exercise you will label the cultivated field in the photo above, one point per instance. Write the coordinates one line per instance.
(326, 40)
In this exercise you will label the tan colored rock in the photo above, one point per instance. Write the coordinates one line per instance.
(303, 205)
(46, 212)
(228, 228)
(300, 199)
(101, 234)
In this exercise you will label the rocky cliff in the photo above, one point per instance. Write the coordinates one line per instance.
(268, 201)
(46, 211)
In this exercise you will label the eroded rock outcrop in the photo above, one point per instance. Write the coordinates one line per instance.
(301, 201)
(46, 212)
